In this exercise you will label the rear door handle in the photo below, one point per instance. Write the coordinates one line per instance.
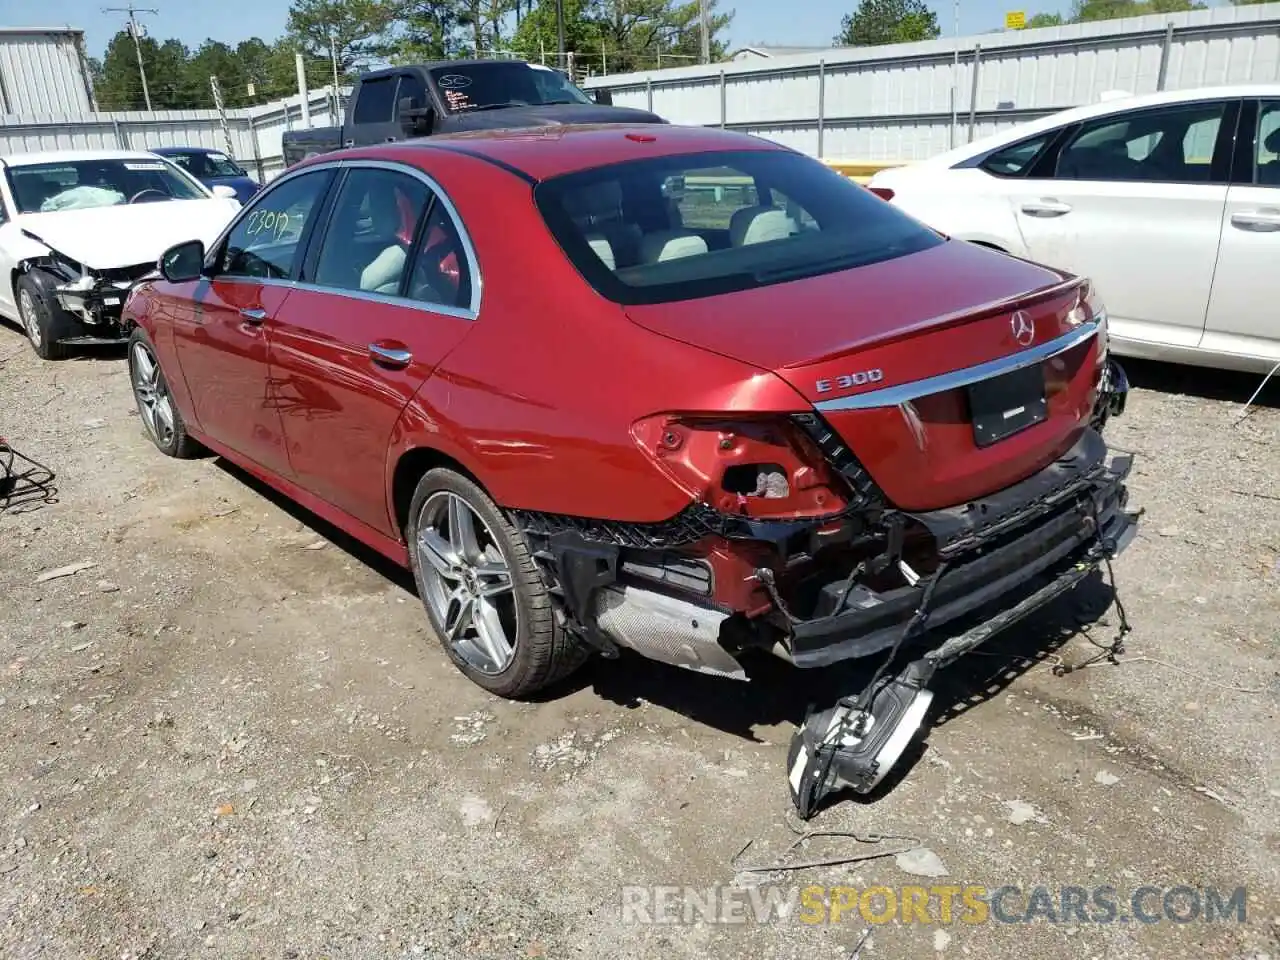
(1045, 207)
(253, 315)
(1261, 221)
(386, 354)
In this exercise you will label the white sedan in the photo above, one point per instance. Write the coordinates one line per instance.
(1170, 202)
(79, 228)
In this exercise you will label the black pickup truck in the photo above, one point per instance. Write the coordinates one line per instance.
(453, 96)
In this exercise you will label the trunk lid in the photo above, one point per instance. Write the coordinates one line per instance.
(857, 333)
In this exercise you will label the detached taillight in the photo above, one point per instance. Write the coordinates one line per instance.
(884, 193)
(754, 466)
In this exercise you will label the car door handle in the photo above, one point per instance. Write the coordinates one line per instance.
(1045, 207)
(386, 355)
(253, 315)
(1261, 221)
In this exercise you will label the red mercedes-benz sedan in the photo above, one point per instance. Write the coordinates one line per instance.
(674, 389)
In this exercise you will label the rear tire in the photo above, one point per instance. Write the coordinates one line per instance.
(482, 590)
(36, 314)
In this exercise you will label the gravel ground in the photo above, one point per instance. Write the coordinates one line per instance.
(232, 735)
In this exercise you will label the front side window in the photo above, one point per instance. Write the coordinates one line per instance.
(696, 225)
(79, 184)
(264, 242)
(1168, 145)
(374, 100)
(1267, 145)
(370, 234)
(468, 87)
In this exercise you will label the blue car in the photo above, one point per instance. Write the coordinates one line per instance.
(212, 168)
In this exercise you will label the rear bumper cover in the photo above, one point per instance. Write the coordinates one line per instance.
(1056, 526)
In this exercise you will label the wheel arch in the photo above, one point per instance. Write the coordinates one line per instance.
(412, 465)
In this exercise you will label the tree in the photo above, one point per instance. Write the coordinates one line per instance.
(877, 22)
(1086, 11)
(1045, 20)
(537, 34)
(356, 26)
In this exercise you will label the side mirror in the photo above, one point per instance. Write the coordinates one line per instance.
(183, 262)
(415, 121)
(602, 96)
(224, 191)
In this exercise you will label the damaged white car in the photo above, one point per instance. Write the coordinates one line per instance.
(79, 228)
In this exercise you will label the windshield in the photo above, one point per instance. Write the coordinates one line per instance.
(75, 185)
(696, 225)
(207, 165)
(480, 86)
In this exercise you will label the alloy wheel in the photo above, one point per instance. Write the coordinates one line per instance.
(468, 582)
(154, 402)
(30, 319)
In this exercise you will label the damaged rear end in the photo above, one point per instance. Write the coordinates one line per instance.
(942, 475)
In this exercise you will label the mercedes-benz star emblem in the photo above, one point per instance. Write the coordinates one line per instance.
(1024, 331)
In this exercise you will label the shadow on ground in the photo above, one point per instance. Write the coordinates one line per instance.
(777, 693)
(1205, 382)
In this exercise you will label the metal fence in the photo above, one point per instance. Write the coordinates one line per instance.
(254, 133)
(910, 101)
(888, 104)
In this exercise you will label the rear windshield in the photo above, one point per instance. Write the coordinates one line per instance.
(697, 225)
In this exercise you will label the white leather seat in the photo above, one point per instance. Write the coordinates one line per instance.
(384, 273)
(602, 248)
(663, 245)
(758, 225)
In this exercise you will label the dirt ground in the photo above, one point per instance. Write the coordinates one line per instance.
(233, 735)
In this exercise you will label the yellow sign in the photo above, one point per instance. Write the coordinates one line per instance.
(1015, 20)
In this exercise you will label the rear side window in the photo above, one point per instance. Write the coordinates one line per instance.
(1015, 160)
(697, 225)
(1267, 142)
(375, 99)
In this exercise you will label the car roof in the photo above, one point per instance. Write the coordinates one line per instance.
(1102, 108)
(72, 156)
(544, 152)
(168, 151)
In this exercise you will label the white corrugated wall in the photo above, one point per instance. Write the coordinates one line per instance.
(896, 102)
(43, 72)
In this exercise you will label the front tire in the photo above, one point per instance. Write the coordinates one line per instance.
(482, 590)
(160, 415)
(37, 318)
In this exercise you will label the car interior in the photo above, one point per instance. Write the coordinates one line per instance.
(370, 237)
(637, 221)
(1161, 147)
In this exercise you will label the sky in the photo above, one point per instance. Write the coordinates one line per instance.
(193, 21)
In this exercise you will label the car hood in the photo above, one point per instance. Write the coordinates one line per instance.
(549, 115)
(128, 234)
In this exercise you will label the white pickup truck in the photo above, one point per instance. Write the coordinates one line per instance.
(79, 228)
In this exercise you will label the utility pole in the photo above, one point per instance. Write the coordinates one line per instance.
(955, 77)
(135, 31)
(704, 13)
(333, 59)
(560, 33)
